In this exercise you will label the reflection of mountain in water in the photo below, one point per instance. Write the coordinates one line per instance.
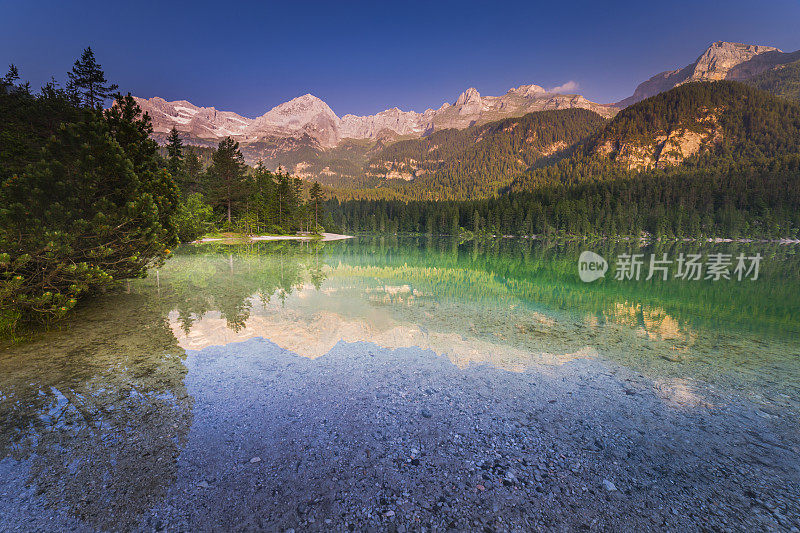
(507, 303)
(313, 334)
(98, 411)
(545, 275)
(522, 273)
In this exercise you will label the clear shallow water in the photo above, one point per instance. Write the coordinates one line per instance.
(511, 304)
(104, 401)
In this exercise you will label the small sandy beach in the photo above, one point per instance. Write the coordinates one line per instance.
(300, 237)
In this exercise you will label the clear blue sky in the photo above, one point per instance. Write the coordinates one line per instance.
(362, 57)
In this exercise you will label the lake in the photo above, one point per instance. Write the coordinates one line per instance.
(414, 384)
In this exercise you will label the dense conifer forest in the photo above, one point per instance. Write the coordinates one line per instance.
(738, 200)
(783, 81)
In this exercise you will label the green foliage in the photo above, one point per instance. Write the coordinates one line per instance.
(132, 130)
(193, 168)
(194, 218)
(316, 196)
(83, 202)
(29, 120)
(257, 201)
(753, 198)
(783, 81)
(189, 172)
(175, 153)
(274, 203)
(224, 181)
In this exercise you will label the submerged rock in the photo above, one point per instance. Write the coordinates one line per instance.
(609, 486)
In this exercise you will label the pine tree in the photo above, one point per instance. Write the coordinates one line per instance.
(88, 79)
(10, 78)
(175, 153)
(226, 173)
(285, 199)
(192, 170)
(95, 207)
(316, 196)
(132, 130)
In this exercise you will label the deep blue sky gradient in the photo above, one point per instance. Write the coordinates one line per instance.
(362, 57)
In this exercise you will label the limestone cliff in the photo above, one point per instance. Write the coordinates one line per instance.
(666, 148)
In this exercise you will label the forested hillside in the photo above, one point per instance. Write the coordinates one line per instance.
(744, 120)
(701, 125)
(754, 198)
(696, 125)
(475, 162)
(783, 81)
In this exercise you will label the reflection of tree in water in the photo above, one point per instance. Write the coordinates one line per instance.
(99, 409)
(544, 274)
(226, 279)
(527, 294)
(538, 275)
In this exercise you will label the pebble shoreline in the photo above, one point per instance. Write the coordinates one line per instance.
(370, 439)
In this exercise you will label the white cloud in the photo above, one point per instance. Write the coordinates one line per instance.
(568, 88)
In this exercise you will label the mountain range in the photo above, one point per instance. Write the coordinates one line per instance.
(307, 138)
(309, 116)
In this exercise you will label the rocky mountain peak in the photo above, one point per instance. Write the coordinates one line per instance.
(745, 50)
(528, 91)
(722, 60)
(469, 96)
(719, 58)
(205, 124)
(298, 109)
(304, 114)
